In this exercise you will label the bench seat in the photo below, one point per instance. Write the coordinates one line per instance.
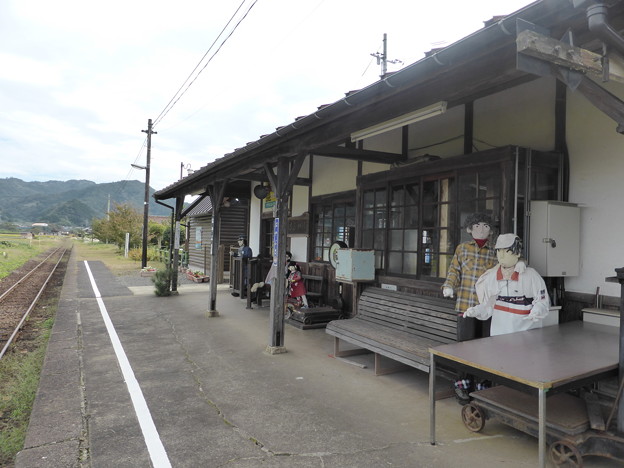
(398, 325)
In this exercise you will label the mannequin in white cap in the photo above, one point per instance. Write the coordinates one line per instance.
(513, 294)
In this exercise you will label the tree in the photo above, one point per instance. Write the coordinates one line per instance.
(121, 220)
(155, 233)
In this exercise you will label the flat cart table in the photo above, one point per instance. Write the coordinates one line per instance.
(543, 360)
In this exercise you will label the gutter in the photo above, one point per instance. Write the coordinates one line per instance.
(597, 23)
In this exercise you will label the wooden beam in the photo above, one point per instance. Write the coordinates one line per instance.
(359, 154)
(575, 58)
(262, 177)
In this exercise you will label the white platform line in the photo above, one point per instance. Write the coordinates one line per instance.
(155, 447)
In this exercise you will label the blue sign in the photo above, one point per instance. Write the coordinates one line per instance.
(275, 240)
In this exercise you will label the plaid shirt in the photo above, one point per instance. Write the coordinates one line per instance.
(469, 263)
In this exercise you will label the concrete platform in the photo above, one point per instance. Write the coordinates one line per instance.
(217, 399)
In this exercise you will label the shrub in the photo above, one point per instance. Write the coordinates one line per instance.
(161, 280)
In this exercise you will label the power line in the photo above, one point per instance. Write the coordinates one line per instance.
(179, 93)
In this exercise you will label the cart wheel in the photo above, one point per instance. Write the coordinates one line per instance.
(564, 453)
(473, 417)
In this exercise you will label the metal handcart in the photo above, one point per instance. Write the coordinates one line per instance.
(568, 430)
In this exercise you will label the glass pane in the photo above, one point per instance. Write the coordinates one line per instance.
(410, 263)
(327, 224)
(327, 211)
(430, 215)
(327, 241)
(380, 197)
(443, 264)
(380, 218)
(350, 210)
(367, 219)
(339, 211)
(430, 191)
(489, 184)
(318, 221)
(447, 190)
(369, 198)
(367, 239)
(411, 239)
(318, 240)
(411, 217)
(396, 217)
(318, 254)
(379, 242)
(379, 261)
(326, 255)
(467, 186)
(411, 194)
(445, 241)
(339, 232)
(396, 240)
(544, 185)
(395, 262)
(398, 194)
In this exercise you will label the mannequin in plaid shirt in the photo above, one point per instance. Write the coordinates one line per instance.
(471, 260)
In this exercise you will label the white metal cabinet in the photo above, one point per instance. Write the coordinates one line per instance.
(555, 238)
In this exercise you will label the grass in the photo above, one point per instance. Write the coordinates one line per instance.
(15, 251)
(19, 380)
(112, 257)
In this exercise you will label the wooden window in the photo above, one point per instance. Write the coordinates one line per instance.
(332, 221)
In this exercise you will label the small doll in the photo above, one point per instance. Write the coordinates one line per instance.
(296, 287)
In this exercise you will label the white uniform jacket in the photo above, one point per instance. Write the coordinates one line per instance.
(517, 304)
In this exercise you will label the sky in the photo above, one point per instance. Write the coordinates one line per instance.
(79, 79)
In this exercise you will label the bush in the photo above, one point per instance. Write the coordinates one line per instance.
(162, 280)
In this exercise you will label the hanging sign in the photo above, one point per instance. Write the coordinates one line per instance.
(270, 200)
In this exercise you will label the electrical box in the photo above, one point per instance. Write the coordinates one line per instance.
(355, 265)
(555, 238)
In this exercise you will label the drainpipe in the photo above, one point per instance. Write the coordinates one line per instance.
(597, 23)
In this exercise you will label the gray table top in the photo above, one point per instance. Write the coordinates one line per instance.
(543, 357)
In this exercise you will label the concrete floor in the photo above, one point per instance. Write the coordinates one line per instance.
(217, 399)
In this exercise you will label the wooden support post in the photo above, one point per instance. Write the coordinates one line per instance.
(179, 206)
(216, 195)
(282, 184)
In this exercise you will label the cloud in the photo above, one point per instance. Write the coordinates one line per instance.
(81, 79)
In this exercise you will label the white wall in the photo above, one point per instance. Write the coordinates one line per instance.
(596, 169)
(523, 116)
(442, 135)
(332, 175)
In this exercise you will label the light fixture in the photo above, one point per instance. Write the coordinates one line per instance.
(401, 121)
(136, 166)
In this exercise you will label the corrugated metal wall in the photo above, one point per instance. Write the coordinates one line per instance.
(234, 222)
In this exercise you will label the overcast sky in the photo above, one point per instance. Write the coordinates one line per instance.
(79, 79)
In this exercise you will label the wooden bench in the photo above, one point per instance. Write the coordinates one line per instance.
(398, 325)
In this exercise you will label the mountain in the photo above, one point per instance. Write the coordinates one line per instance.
(69, 203)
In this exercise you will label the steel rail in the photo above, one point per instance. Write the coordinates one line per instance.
(34, 302)
(29, 273)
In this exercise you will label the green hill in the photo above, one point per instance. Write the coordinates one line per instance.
(70, 203)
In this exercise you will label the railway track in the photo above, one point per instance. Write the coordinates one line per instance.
(17, 302)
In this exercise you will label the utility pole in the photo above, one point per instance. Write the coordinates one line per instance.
(382, 59)
(147, 194)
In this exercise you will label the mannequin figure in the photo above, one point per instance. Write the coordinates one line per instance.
(245, 252)
(513, 294)
(472, 259)
(272, 274)
(296, 287)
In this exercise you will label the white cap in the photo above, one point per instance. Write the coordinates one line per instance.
(505, 241)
